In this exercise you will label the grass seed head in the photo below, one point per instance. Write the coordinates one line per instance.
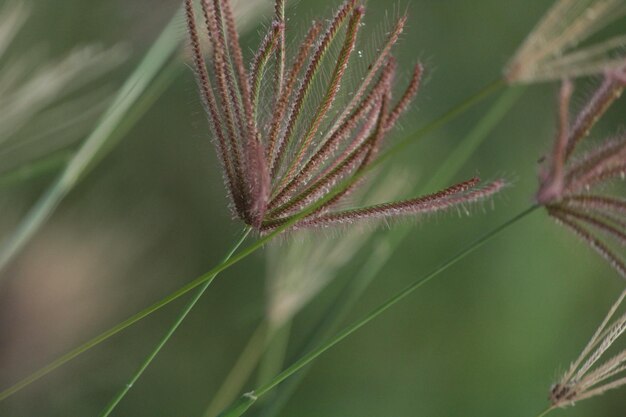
(575, 187)
(550, 52)
(307, 155)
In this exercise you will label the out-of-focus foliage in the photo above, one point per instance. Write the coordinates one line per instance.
(45, 104)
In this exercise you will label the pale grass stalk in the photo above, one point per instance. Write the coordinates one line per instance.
(12, 16)
(549, 51)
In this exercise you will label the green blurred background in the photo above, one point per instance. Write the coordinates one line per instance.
(487, 338)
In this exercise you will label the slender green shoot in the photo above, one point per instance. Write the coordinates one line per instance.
(190, 305)
(248, 399)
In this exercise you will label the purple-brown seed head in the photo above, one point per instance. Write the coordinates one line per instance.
(283, 152)
(573, 187)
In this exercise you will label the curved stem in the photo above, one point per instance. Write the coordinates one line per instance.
(120, 395)
(248, 399)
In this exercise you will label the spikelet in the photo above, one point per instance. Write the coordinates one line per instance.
(285, 154)
(587, 377)
(550, 51)
(573, 187)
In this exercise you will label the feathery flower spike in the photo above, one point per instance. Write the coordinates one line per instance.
(283, 155)
(573, 188)
(584, 379)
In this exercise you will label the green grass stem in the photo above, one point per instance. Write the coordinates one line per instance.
(181, 317)
(248, 399)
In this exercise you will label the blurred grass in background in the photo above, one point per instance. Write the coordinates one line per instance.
(487, 338)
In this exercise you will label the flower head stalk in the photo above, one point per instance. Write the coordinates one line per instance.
(284, 155)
